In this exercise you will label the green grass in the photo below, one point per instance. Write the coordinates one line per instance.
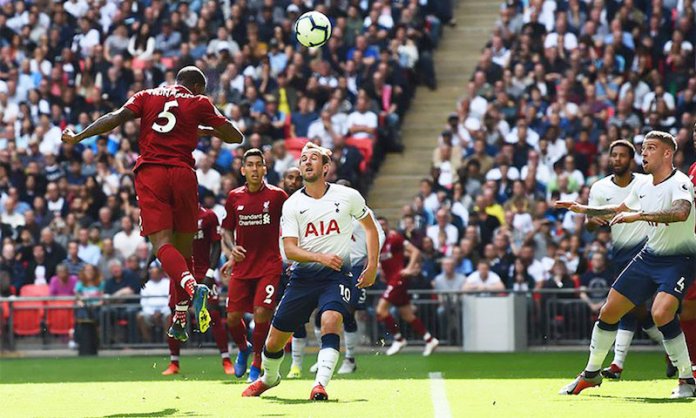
(478, 385)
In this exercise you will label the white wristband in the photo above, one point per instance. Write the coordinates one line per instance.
(210, 273)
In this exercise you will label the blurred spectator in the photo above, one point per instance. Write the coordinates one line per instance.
(595, 283)
(40, 270)
(90, 286)
(86, 250)
(448, 280)
(63, 284)
(483, 279)
(73, 261)
(9, 264)
(155, 305)
(126, 241)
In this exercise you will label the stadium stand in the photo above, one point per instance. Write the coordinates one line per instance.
(63, 64)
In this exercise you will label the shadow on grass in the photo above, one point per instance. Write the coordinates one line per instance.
(163, 413)
(642, 399)
(295, 401)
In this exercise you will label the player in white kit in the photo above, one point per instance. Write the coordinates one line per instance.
(317, 229)
(665, 265)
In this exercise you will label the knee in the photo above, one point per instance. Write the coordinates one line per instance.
(233, 319)
(382, 310)
(662, 315)
(609, 314)
(262, 315)
(331, 322)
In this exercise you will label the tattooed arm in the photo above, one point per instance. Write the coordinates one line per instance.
(592, 210)
(679, 212)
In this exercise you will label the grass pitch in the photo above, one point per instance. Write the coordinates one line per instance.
(477, 385)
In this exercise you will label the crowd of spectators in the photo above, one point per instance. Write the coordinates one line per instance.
(556, 84)
(69, 215)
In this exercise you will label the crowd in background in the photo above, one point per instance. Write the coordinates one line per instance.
(69, 215)
(556, 84)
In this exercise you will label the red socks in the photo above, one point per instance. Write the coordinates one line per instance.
(391, 326)
(176, 267)
(219, 331)
(689, 329)
(418, 326)
(239, 335)
(258, 338)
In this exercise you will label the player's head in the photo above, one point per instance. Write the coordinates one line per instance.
(253, 166)
(292, 180)
(384, 223)
(314, 162)
(192, 78)
(621, 153)
(658, 151)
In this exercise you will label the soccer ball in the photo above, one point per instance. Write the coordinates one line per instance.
(313, 29)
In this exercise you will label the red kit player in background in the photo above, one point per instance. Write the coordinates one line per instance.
(251, 231)
(206, 256)
(171, 120)
(687, 316)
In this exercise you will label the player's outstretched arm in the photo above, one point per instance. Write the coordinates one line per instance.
(679, 212)
(295, 253)
(591, 210)
(100, 126)
(227, 132)
(368, 276)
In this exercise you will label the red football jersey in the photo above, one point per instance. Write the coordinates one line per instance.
(255, 220)
(169, 119)
(205, 236)
(692, 174)
(392, 256)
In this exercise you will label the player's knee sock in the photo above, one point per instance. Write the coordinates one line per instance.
(350, 328)
(328, 357)
(181, 313)
(603, 336)
(219, 333)
(675, 346)
(271, 365)
(174, 350)
(349, 323)
(391, 326)
(298, 346)
(653, 333)
(239, 335)
(689, 328)
(418, 326)
(258, 338)
(623, 341)
(174, 264)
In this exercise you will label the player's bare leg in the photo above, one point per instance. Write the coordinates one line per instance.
(664, 311)
(238, 330)
(331, 325)
(272, 358)
(262, 323)
(603, 336)
(687, 320)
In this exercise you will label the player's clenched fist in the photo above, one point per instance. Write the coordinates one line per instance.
(331, 261)
(69, 137)
(367, 277)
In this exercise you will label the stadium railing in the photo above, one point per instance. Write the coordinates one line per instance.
(552, 317)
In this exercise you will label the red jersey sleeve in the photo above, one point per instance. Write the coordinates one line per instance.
(230, 220)
(136, 102)
(398, 244)
(210, 115)
(213, 227)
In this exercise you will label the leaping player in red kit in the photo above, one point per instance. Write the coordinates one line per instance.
(206, 255)
(687, 317)
(171, 120)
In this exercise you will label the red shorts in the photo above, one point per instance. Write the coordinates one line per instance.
(243, 295)
(168, 198)
(396, 293)
(691, 292)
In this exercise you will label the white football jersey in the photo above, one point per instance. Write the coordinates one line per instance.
(358, 252)
(625, 237)
(667, 239)
(323, 225)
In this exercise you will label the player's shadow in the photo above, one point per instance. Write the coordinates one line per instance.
(163, 413)
(295, 401)
(645, 399)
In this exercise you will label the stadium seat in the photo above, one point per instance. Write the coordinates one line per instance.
(295, 145)
(27, 316)
(60, 316)
(365, 148)
(35, 290)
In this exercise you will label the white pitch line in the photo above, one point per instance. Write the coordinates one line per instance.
(438, 394)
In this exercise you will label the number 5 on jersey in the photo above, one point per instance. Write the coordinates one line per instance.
(166, 114)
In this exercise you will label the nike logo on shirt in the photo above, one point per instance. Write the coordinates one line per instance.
(303, 211)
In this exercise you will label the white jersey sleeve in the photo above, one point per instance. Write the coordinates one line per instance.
(289, 222)
(358, 207)
(632, 201)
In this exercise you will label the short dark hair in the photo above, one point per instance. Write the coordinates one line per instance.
(253, 152)
(623, 143)
(190, 76)
(663, 137)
